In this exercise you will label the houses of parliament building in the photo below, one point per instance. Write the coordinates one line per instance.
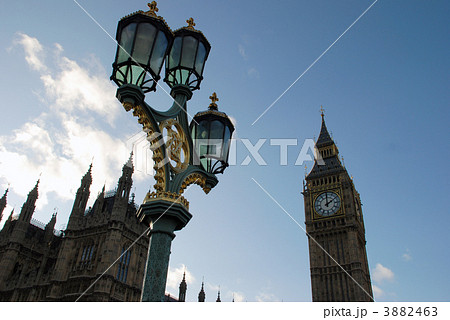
(38, 263)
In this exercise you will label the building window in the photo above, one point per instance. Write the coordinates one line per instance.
(87, 254)
(123, 265)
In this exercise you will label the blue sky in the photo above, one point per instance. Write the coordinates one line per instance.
(384, 86)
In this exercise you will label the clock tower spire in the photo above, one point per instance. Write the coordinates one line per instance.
(335, 228)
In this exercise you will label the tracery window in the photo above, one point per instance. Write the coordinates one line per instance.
(87, 254)
(124, 262)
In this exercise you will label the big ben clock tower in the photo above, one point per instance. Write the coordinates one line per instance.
(335, 228)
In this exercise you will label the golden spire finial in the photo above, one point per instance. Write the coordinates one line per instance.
(322, 111)
(153, 9)
(306, 168)
(190, 23)
(214, 99)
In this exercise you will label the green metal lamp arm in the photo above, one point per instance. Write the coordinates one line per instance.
(181, 95)
(175, 181)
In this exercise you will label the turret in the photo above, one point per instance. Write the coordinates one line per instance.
(123, 191)
(218, 297)
(30, 205)
(125, 181)
(99, 202)
(329, 156)
(7, 222)
(325, 143)
(183, 289)
(50, 226)
(201, 295)
(10, 216)
(3, 204)
(81, 199)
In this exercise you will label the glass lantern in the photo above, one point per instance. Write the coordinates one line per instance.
(211, 133)
(186, 60)
(144, 39)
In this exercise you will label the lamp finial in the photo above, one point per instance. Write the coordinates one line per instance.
(190, 23)
(214, 99)
(153, 9)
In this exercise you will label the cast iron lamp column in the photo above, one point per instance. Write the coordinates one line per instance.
(145, 41)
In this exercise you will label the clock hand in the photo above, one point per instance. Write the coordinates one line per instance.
(332, 200)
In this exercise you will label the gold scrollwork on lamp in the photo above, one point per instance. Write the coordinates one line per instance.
(195, 178)
(177, 146)
(167, 196)
(155, 145)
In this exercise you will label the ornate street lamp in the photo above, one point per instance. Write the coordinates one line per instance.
(144, 42)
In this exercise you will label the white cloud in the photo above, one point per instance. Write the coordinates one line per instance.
(73, 89)
(407, 255)
(242, 52)
(33, 52)
(213, 287)
(233, 121)
(32, 139)
(62, 140)
(175, 275)
(381, 273)
(237, 296)
(377, 292)
(225, 295)
(62, 156)
(253, 73)
(6, 213)
(267, 297)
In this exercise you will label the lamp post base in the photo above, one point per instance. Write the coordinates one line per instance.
(164, 217)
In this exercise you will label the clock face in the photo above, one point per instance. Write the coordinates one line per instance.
(327, 204)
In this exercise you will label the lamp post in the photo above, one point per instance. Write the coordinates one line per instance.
(183, 154)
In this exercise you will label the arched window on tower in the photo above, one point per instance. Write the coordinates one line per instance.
(124, 262)
(88, 253)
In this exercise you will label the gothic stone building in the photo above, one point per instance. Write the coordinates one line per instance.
(335, 227)
(39, 264)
